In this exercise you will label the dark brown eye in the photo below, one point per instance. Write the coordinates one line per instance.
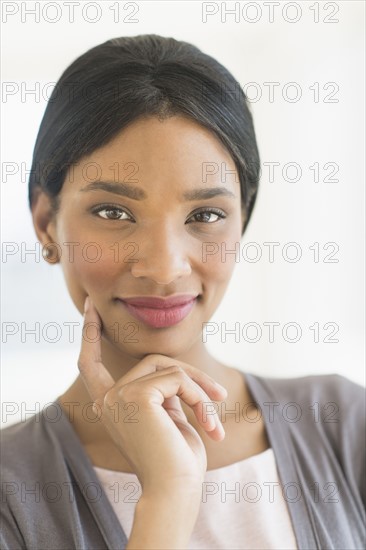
(208, 216)
(110, 212)
(113, 214)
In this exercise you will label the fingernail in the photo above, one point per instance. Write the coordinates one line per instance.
(221, 387)
(218, 423)
(221, 428)
(86, 304)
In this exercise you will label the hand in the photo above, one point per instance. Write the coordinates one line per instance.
(163, 449)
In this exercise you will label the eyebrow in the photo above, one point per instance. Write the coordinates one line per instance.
(136, 193)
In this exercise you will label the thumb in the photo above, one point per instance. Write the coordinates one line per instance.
(96, 377)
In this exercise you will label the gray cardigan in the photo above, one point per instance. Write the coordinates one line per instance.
(52, 498)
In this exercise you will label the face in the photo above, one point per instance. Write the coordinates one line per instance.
(151, 214)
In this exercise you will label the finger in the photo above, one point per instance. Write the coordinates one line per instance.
(171, 384)
(208, 384)
(173, 407)
(94, 374)
(153, 363)
(205, 409)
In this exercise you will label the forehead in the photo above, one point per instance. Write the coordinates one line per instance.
(166, 135)
(148, 150)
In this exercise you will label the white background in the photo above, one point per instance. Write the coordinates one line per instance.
(310, 130)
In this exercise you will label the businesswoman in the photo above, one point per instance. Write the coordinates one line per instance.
(145, 164)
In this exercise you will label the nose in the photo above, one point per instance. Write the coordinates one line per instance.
(161, 256)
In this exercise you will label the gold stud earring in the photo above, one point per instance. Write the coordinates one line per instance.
(48, 255)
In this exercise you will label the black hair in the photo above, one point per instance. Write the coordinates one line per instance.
(120, 80)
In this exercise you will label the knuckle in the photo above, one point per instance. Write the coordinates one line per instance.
(98, 404)
(109, 399)
(126, 393)
(176, 368)
(154, 358)
(82, 363)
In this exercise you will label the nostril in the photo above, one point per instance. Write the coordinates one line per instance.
(161, 273)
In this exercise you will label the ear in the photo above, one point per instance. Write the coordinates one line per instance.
(43, 218)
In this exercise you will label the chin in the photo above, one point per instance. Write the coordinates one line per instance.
(171, 346)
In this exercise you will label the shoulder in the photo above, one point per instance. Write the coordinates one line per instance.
(326, 406)
(313, 388)
(38, 486)
(20, 444)
(17, 435)
(323, 412)
(28, 446)
(21, 453)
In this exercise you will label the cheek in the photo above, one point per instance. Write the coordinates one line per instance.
(94, 266)
(89, 263)
(220, 257)
(218, 263)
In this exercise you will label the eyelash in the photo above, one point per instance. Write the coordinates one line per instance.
(102, 207)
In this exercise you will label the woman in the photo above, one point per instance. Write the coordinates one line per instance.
(145, 164)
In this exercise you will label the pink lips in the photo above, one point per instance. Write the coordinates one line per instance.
(160, 312)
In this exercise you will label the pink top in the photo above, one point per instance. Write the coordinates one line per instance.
(243, 505)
